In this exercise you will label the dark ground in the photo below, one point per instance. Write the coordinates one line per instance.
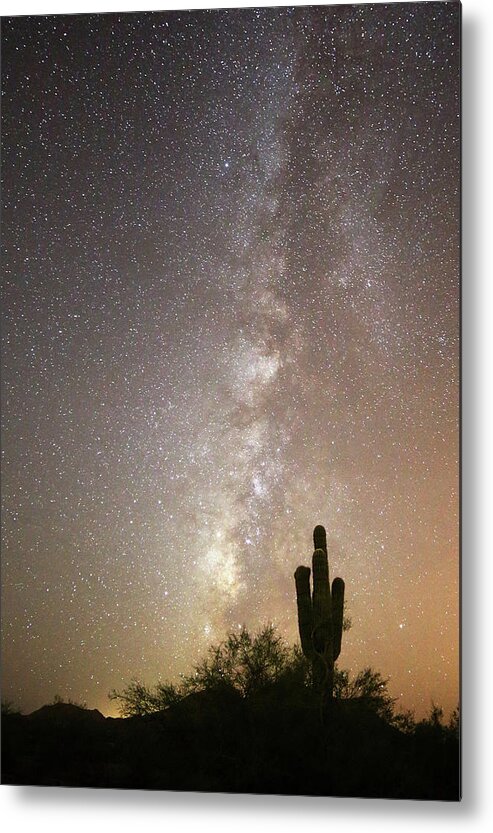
(217, 741)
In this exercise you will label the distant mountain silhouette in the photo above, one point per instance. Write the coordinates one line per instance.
(65, 714)
(218, 740)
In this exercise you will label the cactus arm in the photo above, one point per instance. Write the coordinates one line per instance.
(305, 615)
(337, 614)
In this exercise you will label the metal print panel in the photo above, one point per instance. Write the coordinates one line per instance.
(230, 400)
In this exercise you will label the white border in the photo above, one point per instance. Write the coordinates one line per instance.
(56, 810)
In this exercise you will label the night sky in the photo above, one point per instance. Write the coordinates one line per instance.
(230, 312)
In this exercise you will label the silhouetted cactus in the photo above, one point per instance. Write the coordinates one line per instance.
(320, 615)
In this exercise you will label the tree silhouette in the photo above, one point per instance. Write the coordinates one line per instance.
(243, 663)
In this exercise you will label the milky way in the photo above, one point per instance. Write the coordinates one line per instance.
(231, 259)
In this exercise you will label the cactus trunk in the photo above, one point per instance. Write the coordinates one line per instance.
(320, 615)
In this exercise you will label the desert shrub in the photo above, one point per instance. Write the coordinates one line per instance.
(247, 663)
(243, 662)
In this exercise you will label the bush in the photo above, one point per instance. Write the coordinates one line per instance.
(247, 664)
(139, 699)
(243, 663)
(369, 688)
(9, 708)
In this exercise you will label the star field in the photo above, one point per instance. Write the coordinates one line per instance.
(231, 312)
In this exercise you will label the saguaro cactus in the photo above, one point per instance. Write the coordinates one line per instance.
(320, 615)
